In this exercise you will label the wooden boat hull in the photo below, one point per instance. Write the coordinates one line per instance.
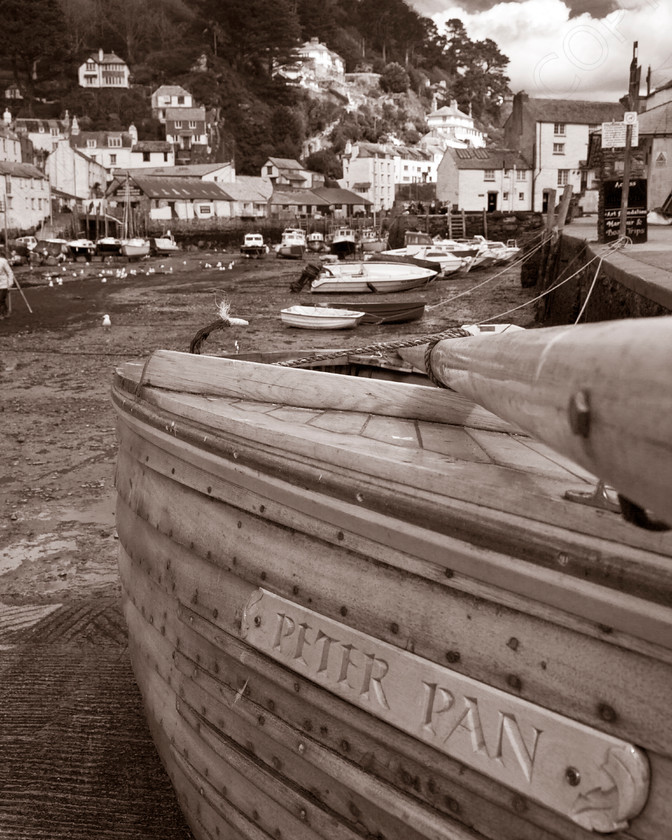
(135, 249)
(163, 246)
(308, 584)
(371, 276)
(388, 312)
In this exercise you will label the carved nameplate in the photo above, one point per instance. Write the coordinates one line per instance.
(598, 781)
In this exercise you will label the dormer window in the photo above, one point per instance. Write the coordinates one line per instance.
(178, 123)
(90, 144)
(192, 123)
(114, 142)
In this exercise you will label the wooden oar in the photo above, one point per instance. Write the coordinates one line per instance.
(601, 394)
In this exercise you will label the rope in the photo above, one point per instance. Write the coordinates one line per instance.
(379, 347)
(590, 291)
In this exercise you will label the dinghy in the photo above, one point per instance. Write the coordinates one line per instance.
(387, 312)
(320, 317)
(368, 601)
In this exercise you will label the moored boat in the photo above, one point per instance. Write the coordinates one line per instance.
(163, 246)
(254, 246)
(135, 247)
(82, 248)
(320, 317)
(343, 241)
(292, 244)
(363, 607)
(371, 276)
(387, 312)
(315, 242)
(108, 246)
(372, 240)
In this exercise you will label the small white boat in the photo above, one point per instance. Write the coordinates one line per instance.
(82, 248)
(493, 253)
(292, 244)
(253, 246)
(371, 276)
(320, 318)
(135, 248)
(108, 246)
(163, 246)
(447, 261)
(490, 329)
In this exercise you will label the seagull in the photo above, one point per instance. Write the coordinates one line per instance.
(106, 322)
(51, 282)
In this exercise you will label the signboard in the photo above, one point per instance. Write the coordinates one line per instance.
(595, 779)
(614, 134)
(636, 227)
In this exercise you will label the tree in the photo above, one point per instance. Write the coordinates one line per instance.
(32, 36)
(394, 79)
(327, 162)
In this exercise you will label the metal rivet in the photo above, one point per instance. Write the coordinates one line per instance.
(302, 748)
(257, 620)
(607, 712)
(513, 643)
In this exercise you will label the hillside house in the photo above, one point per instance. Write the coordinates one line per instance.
(75, 177)
(187, 130)
(111, 149)
(314, 66)
(104, 70)
(553, 135)
(370, 170)
(10, 146)
(455, 126)
(25, 196)
(170, 96)
(290, 173)
(484, 179)
(43, 134)
(152, 153)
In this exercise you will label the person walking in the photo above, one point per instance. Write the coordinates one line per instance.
(6, 282)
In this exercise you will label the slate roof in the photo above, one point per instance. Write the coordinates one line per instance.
(289, 198)
(239, 190)
(492, 158)
(176, 189)
(171, 90)
(286, 163)
(338, 195)
(577, 111)
(101, 138)
(186, 170)
(183, 114)
(108, 58)
(20, 170)
(153, 146)
(33, 126)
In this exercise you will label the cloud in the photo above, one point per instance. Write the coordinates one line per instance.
(565, 48)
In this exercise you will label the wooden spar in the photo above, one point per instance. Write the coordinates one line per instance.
(599, 394)
(196, 374)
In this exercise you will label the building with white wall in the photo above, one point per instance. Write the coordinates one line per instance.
(454, 125)
(111, 149)
(10, 145)
(484, 179)
(73, 175)
(553, 135)
(25, 196)
(104, 70)
(370, 170)
(170, 96)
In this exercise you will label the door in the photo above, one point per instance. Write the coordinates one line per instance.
(492, 202)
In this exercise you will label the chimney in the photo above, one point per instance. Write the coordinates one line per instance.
(100, 54)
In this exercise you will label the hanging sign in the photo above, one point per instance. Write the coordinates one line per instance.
(636, 227)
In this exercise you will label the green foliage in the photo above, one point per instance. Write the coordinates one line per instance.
(326, 162)
(394, 79)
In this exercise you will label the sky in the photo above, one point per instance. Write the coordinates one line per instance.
(572, 49)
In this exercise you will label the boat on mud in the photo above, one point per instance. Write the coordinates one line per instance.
(387, 311)
(321, 317)
(342, 241)
(418, 593)
(164, 245)
(292, 244)
(254, 246)
(366, 276)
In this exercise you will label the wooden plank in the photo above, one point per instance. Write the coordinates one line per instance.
(451, 442)
(195, 374)
(511, 451)
(594, 560)
(548, 664)
(597, 393)
(392, 430)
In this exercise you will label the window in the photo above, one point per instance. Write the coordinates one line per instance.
(192, 123)
(558, 148)
(521, 196)
(113, 160)
(178, 123)
(8, 184)
(269, 170)
(180, 100)
(558, 128)
(114, 142)
(145, 157)
(489, 175)
(90, 144)
(505, 196)
(521, 175)
(563, 177)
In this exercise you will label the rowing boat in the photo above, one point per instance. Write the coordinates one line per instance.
(387, 311)
(371, 276)
(367, 606)
(320, 317)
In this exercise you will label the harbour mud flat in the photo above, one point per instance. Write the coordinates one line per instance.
(78, 759)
